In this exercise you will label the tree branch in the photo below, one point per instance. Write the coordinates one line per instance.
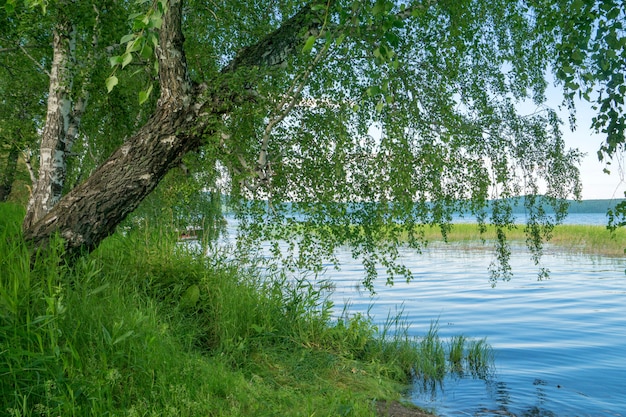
(92, 210)
(291, 98)
(275, 48)
(173, 77)
(37, 63)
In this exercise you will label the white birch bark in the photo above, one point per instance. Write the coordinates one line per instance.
(91, 211)
(60, 129)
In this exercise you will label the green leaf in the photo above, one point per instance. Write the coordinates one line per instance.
(138, 24)
(144, 95)
(127, 58)
(34, 3)
(577, 5)
(134, 46)
(190, 297)
(10, 7)
(613, 13)
(156, 21)
(577, 56)
(106, 334)
(111, 82)
(604, 64)
(127, 38)
(146, 52)
(373, 91)
(398, 23)
(123, 337)
(153, 38)
(115, 60)
(308, 45)
(393, 39)
(257, 328)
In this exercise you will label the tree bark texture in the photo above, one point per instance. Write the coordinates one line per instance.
(91, 211)
(48, 188)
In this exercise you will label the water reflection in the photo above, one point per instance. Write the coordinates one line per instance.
(502, 395)
(506, 402)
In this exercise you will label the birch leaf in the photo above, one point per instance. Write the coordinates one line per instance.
(111, 82)
(308, 46)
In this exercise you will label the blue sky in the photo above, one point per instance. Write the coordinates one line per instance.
(596, 183)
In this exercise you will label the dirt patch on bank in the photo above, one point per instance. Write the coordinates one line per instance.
(397, 409)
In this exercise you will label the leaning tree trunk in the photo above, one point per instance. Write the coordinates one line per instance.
(91, 211)
(184, 115)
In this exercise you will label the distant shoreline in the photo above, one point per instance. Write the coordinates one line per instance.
(574, 238)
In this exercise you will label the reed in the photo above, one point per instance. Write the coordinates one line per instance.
(456, 353)
(588, 239)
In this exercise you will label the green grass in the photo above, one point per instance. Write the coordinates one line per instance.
(143, 327)
(594, 240)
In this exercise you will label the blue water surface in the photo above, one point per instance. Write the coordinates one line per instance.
(559, 344)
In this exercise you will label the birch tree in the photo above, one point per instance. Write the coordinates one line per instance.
(369, 119)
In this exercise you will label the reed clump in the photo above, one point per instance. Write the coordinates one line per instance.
(147, 327)
(587, 239)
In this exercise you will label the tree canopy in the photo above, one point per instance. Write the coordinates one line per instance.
(337, 122)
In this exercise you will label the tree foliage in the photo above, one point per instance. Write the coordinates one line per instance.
(338, 122)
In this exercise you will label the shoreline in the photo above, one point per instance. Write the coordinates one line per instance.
(575, 239)
(399, 409)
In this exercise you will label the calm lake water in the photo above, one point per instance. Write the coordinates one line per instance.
(559, 344)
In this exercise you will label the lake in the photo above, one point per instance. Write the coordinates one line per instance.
(559, 344)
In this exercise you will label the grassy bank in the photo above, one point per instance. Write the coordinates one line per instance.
(143, 327)
(593, 240)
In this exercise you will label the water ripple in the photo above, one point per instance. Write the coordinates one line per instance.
(559, 343)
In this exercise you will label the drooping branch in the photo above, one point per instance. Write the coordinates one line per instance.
(286, 105)
(91, 211)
